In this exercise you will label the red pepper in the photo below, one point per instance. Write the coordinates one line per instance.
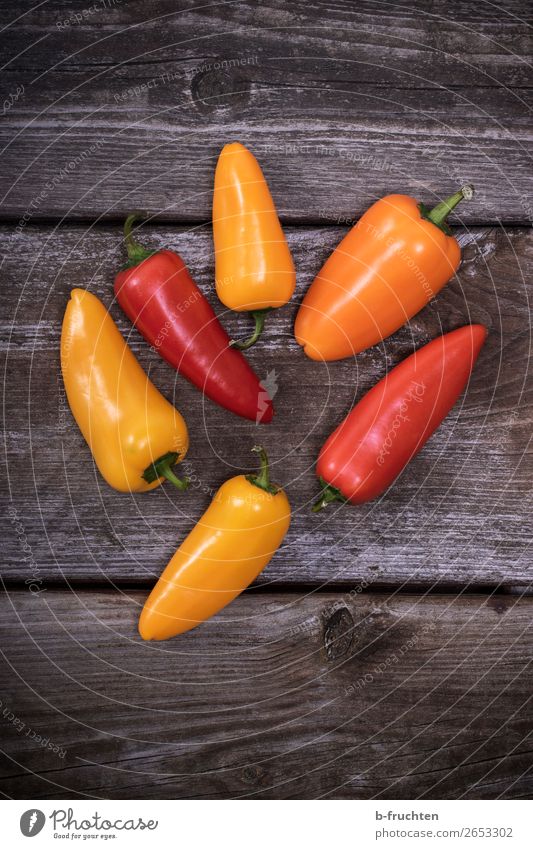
(393, 421)
(158, 295)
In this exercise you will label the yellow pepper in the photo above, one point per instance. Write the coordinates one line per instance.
(232, 543)
(254, 270)
(134, 433)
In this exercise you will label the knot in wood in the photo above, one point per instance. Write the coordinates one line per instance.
(253, 774)
(217, 89)
(338, 633)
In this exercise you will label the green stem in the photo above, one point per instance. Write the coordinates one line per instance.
(162, 468)
(136, 252)
(329, 493)
(262, 480)
(439, 213)
(259, 317)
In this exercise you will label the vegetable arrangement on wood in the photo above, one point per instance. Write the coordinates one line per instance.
(386, 269)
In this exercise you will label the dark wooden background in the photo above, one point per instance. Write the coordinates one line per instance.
(385, 651)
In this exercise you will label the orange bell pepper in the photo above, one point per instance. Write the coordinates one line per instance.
(384, 271)
(254, 270)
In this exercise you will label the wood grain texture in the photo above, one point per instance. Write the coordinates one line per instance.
(342, 103)
(460, 514)
(280, 696)
(292, 692)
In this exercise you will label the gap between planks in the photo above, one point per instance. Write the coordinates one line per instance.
(296, 589)
(165, 222)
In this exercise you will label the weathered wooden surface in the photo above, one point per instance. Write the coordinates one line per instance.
(360, 692)
(342, 103)
(328, 696)
(459, 515)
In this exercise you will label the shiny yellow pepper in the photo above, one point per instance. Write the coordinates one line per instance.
(134, 433)
(232, 543)
(254, 270)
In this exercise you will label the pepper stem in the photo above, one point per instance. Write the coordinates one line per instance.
(439, 213)
(259, 317)
(136, 252)
(262, 480)
(162, 468)
(329, 493)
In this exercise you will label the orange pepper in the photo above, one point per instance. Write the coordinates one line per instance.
(254, 270)
(234, 540)
(385, 270)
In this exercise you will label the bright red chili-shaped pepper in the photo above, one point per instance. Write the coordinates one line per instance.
(393, 421)
(158, 295)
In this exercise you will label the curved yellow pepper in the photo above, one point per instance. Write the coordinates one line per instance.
(232, 543)
(254, 270)
(135, 435)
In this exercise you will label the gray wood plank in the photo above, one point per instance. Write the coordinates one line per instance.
(281, 696)
(341, 102)
(459, 515)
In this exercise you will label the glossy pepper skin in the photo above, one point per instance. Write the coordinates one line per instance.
(159, 296)
(232, 543)
(385, 270)
(254, 270)
(394, 420)
(135, 435)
